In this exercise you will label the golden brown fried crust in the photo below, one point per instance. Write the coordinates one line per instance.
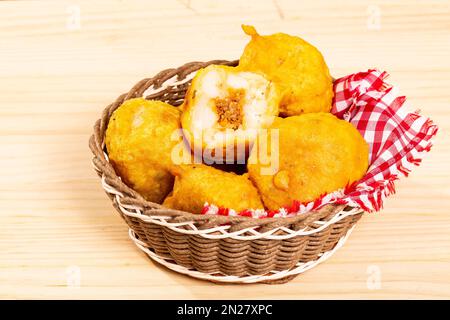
(138, 140)
(318, 154)
(197, 184)
(295, 66)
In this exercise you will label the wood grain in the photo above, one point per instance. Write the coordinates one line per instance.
(56, 78)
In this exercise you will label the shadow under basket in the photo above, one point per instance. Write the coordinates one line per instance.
(225, 249)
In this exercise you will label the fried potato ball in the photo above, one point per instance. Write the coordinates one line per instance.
(316, 154)
(139, 143)
(297, 68)
(224, 108)
(197, 184)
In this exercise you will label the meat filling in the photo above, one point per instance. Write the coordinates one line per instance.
(229, 109)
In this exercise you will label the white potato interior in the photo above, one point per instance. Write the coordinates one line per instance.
(216, 83)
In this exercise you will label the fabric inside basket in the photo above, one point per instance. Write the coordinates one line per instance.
(397, 138)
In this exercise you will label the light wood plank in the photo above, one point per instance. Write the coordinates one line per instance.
(54, 82)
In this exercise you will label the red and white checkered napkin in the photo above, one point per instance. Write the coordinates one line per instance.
(397, 138)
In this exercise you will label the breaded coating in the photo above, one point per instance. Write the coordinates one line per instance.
(317, 154)
(297, 68)
(139, 143)
(197, 184)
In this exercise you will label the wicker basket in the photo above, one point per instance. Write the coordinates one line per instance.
(217, 248)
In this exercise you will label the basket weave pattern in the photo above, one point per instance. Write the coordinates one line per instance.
(241, 249)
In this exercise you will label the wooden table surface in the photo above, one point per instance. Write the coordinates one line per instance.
(62, 62)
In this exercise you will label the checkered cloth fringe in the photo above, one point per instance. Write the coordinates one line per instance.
(397, 138)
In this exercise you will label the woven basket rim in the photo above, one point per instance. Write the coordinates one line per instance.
(273, 277)
(130, 197)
